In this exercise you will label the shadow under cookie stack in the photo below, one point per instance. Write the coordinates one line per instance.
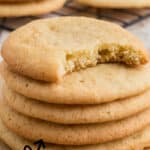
(76, 83)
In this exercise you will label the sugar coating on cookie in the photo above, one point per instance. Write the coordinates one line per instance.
(63, 45)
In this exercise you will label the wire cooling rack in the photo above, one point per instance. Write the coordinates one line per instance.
(123, 17)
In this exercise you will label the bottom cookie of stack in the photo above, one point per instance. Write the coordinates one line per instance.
(135, 142)
(136, 138)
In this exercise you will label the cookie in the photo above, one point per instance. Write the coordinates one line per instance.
(95, 85)
(72, 134)
(77, 114)
(58, 46)
(116, 3)
(29, 8)
(135, 142)
(16, 1)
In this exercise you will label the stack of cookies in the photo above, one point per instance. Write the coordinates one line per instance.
(76, 83)
(17, 8)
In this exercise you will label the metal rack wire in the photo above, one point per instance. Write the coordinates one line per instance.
(125, 18)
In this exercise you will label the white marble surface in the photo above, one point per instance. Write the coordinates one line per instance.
(142, 30)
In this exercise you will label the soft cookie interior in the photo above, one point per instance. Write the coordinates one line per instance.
(104, 54)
